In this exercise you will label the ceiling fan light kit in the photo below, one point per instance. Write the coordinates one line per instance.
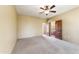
(47, 9)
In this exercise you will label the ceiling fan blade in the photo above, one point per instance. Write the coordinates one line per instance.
(41, 8)
(53, 11)
(52, 6)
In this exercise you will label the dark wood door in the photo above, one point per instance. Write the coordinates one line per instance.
(58, 28)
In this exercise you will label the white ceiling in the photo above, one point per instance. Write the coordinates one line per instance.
(33, 10)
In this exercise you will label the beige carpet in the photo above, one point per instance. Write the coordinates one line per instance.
(41, 45)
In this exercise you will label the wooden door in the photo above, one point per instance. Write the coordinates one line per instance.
(58, 28)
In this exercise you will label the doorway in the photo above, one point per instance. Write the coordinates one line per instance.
(57, 29)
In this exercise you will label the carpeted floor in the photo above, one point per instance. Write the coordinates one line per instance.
(41, 45)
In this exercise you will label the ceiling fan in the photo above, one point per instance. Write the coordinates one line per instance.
(47, 9)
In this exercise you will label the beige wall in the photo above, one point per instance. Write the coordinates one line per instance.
(29, 26)
(70, 22)
(7, 28)
(71, 26)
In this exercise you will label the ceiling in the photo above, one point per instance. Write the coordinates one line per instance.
(33, 10)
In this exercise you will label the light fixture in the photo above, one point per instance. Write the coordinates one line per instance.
(47, 9)
(46, 12)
